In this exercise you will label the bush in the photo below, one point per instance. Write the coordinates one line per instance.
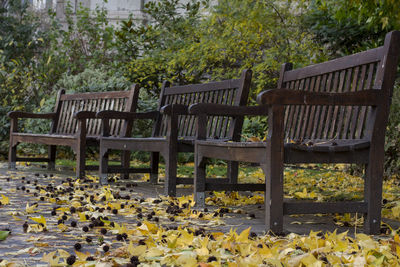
(392, 144)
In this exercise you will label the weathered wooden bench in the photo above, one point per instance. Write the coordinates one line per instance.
(174, 130)
(73, 124)
(332, 112)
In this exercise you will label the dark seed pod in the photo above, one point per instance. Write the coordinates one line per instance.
(71, 260)
(25, 226)
(77, 246)
(135, 259)
(119, 237)
(211, 259)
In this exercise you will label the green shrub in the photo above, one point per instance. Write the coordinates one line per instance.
(392, 145)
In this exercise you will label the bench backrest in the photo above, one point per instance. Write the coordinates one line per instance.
(372, 69)
(68, 104)
(229, 92)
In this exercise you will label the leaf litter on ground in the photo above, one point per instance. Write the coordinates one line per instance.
(78, 222)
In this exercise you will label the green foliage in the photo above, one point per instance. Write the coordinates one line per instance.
(195, 42)
(21, 40)
(86, 40)
(152, 48)
(392, 144)
(351, 26)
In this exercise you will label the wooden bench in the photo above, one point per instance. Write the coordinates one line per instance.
(174, 130)
(332, 112)
(73, 124)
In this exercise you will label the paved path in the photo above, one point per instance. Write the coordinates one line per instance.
(55, 193)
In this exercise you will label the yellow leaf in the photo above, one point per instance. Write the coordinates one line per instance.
(42, 244)
(244, 236)
(253, 139)
(16, 218)
(396, 211)
(82, 217)
(62, 227)
(187, 260)
(136, 251)
(82, 256)
(154, 252)
(41, 219)
(30, 209)
(311, 261)
(51, 258)
(4, 200)
(147, 226)
(202, 251)
(185, 238)
(63, 253)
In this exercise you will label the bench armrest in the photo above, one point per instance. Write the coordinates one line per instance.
(21, 114)
(176, 109)
(369, 97)
(227, 110)
(111, 114)
(85, 115)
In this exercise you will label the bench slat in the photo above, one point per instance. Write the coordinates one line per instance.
(96, 95)
(366, 57)
(186, 89)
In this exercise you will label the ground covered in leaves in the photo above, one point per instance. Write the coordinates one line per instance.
(48, 219)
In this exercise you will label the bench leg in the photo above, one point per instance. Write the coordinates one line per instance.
(373, 197)
(52, 157)
(12, 157)
(273, 196)
(170, 172)
(199, 181)
(154, 161)
(80, 160)
(233, 171)
(125, 161)
(103, 166)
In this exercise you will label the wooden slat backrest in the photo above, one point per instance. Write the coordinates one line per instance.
(357, 72)
(229, 92)
(69, 104)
